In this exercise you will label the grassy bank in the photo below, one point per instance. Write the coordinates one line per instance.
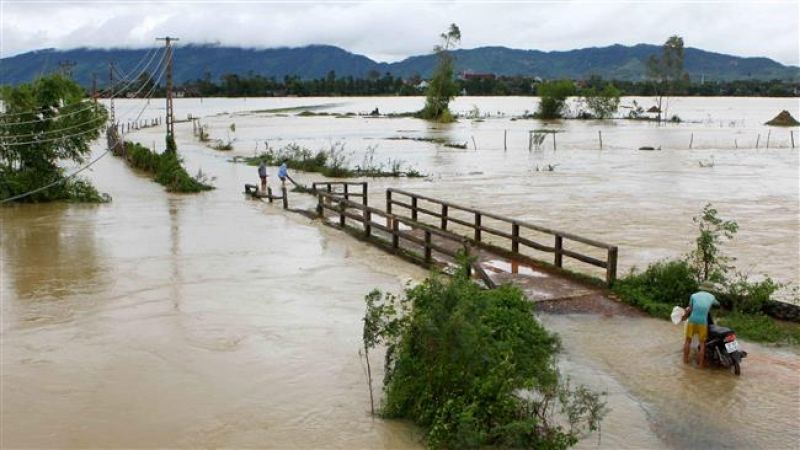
(165, 167)
(666, 284)
(332, 162)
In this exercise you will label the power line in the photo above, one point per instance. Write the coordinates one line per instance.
(57, 182)
(4, 116)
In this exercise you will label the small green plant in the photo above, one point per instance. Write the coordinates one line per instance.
(707, 259)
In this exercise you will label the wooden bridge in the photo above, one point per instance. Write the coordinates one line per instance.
(437, 233)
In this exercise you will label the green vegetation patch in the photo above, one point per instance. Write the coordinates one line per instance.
(166, 168)
(332, 162)
(475, 368)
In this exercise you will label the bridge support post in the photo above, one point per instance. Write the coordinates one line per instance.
(388, 208)
(367, 222)
(395, 235)
(320, 208)
(346, 192)
(427, 246)
(611, 270)
(269, 194)
(515, 238)
(414, 208)
(444, 217)
(558, 251)
(284, 197)
(477, 227)
(364, 193)
(341, 214)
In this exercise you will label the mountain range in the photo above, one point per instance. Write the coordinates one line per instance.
(314, 61)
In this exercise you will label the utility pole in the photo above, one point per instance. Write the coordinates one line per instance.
(168, 57)
(111, 91)
(94, 87)
(65, 67)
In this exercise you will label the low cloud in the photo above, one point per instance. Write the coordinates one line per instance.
(390, 31)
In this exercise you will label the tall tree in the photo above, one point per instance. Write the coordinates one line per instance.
(666, 71)
(46, 123)
(442, 87)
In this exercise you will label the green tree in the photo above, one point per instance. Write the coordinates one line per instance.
(553, 98)
(442, 87)
(46, 123)
(667, 71)
(602, 103)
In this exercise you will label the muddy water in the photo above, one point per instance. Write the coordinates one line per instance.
(183, 321)
(639, 363)
(642, 201)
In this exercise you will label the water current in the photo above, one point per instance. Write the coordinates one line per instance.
(162, 320)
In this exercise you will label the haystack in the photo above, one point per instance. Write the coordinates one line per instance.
(784, 119)
(654, 109)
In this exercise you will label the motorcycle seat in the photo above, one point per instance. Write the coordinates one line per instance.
(716, 330)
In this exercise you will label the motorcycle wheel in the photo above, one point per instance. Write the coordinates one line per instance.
(735, 368)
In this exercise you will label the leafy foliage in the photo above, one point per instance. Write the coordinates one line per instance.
(553, 97)
(442, 87)
(707, 259)
(45, 124)
(666, 72)
(659, 287)
(603, 103)
(166, 169)
(475, 368)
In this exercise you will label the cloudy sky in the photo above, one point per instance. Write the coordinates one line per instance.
(392, 30)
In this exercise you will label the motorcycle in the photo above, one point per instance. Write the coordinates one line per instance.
(722, 348)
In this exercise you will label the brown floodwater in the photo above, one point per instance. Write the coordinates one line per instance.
(210, 320)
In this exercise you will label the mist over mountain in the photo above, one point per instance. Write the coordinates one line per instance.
(193, 62)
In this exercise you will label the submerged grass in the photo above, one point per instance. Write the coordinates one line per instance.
(331, 162)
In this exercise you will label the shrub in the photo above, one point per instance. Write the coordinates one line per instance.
(707, 259)
(746, 296)
(476, 369)
(166, 169)
(553, 97)
(602, 104)
(661, 286)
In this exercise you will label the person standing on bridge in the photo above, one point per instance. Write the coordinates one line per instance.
(283, 173)
(262, 173)
(700, 304)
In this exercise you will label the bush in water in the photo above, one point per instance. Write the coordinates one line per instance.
(475, 368)
(165, 167)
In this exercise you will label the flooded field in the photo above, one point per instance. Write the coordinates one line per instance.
(162, 320)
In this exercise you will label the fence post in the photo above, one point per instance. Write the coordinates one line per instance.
(388, 208)
(600, 136)
(346, 192)
(769, 132)
(364, 193)
(477, 226)
(691, 141)
(341, 213)
(395, 235)
(414, 208)
(444, 216)
(284, 197)
(427, 246)
(505, 140)
(320, 207)
(269, 194)
(367, 222)
(611, 270)
(558, 249)
(515, 237)
(791, 135)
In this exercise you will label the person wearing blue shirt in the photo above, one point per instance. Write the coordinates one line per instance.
(699, 305)
(283, 172)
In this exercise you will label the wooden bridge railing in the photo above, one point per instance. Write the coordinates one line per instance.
(348, 189)
(374, 219)
(442, 210)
